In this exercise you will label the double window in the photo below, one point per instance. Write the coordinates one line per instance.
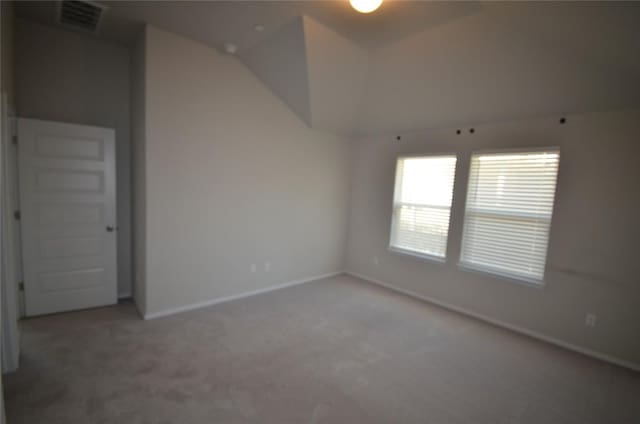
(508, 212)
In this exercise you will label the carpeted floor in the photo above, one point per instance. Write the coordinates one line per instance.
(333, 351)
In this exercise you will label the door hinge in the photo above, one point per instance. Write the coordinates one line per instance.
(17, 215)
(21, 286)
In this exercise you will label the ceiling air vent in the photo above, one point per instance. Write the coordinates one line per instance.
(81, 15)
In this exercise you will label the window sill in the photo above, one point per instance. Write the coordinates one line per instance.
(416, 255)
(522, 281)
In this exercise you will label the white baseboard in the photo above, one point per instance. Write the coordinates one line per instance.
(126, 295)
(496, 322)
(211, 302)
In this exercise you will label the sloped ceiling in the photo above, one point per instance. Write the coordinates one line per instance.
(414, 65)
(337, 76)
(320, 74)
(280, 61)
(510, 61)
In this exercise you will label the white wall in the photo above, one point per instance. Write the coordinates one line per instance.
(70, 77)
(233, 177)
(592, 264)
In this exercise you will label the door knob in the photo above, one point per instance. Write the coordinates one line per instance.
(110, 229)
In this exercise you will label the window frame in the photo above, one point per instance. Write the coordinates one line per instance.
(425, 257)
(488, 271)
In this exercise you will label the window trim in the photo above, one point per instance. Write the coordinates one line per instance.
(489, 271)
(503, 276)
(507, 150)
(424, 257)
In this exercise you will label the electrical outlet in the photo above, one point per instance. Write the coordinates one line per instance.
(376, 261)
(590, 320)
(267, 266)
(253, 267)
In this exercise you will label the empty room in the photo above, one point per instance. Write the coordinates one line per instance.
(340, 211)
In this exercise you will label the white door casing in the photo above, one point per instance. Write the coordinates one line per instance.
(68, 215)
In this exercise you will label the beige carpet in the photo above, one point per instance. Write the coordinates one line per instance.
(334, 351)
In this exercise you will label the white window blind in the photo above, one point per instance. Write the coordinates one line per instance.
(508, 213)
(422, 205)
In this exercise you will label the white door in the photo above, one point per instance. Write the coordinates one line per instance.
(68, 215)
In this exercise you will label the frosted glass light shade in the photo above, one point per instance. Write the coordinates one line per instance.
(365, 6)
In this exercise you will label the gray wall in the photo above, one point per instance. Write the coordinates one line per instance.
(233, 178)
(8, 52)
(592, 264)
(7, 86)
(138, 140)
(69, 77)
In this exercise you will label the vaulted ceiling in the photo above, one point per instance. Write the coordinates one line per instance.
(413, 65)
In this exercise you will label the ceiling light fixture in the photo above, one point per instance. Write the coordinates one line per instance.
(365, 6)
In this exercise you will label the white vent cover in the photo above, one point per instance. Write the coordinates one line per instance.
(80, 15)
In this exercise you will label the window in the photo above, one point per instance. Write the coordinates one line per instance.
(508, 215)
(422, 205)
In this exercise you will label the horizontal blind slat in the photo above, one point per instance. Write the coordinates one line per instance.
(422, 204)
(509, 206)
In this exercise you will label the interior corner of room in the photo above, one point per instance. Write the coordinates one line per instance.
(276, 212)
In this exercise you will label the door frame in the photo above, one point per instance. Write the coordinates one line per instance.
(11, 260)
